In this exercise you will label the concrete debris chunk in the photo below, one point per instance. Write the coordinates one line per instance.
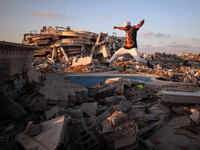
(158, 109)
(180, 97)
(34, 129)
(81, 61)
(52, 112)
(169, 139)
(104, 116)
(107, 91)
(136, 109)
(76, 113)
(86, 134)
(179, 110)
(44, 140)
(146, 129)
(89, 108)
(112, 100)
(13, 108)
(118, 128)
(62, 92)
(195, 116)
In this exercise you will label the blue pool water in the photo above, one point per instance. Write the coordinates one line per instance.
(89, 81)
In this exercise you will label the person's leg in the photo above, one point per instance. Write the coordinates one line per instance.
(117, 54)
(134, 52)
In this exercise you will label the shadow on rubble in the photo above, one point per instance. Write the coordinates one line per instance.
(120, 114)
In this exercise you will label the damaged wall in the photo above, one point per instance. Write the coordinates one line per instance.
(15, 62)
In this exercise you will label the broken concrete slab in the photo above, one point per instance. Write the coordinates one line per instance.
(148, 128)
(76, 113)
(104, 116)
(118, 108)
(158, 109)
(107, 91)
(52, 112)
(126, 105)
(34, 129)
(63, 92)
(92, 110)
(52, 134)
(81, 61)
(120, 126)
(89, 108)
(167, 137)
(42, 66)
(195, 115)
(136, 109)
(85, 107)
(86, 134)
(128, 143)
(112, 100)
(12, 108)
(15, 58)
(33, 75)
(180, 97)
(134, 94)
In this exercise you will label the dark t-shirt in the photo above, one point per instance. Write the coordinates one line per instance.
(131, 36)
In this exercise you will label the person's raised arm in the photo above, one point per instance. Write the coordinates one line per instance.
(120, 28)
(140, 24)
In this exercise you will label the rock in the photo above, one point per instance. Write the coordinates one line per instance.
(120, 128)
(34, 129)
(76, 113)
(105, 92)
(158, 109)
(52, 112)
(10, 127)
(195, 115)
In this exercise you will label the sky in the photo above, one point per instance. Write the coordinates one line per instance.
(171, 26)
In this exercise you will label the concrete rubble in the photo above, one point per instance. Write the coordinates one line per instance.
(42, 109)
(63, 50)
(72, 46)
(109, 119)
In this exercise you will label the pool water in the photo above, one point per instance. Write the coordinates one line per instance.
(89, 81)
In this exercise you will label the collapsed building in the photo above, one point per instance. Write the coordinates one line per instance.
(43, 109)
(65, 50)
(64, 43)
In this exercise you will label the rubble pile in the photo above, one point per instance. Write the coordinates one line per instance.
(64, 50)
(73, 46)
(175, 69)
(119, 114)
(40, 108)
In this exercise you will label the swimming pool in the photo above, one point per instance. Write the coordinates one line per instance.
(89, 81)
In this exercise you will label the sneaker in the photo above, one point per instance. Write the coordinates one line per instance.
(107, 64)
(150, 65)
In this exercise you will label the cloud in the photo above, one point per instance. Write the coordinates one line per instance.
(195, 40)
(45, 13)
(160, 35)
(180, 46)
(147, 33)
(156, 35)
